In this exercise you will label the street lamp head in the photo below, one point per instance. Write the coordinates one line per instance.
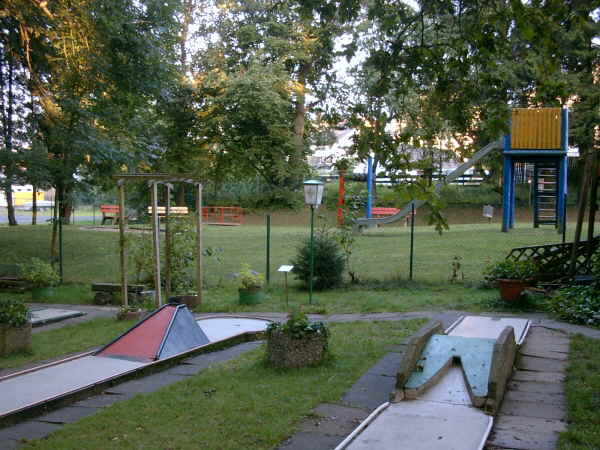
(313, 192)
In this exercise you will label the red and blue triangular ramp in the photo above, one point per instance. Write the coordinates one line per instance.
(169, 330)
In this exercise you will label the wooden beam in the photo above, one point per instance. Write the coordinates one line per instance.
(168, 246)
(156, 244)
(123, 244)
(199, 243)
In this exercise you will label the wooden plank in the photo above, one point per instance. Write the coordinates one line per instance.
(532, 386)
(544, 377)
(541, 364)
(550, 399)
(533, 409)
(199, 248)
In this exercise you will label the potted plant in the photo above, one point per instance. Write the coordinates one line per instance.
(130, 313)
(15, 328)
(296, 342)
(512, 277)
(250, 286)
(41, 277)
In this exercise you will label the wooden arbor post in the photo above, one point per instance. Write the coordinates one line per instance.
(153, 180)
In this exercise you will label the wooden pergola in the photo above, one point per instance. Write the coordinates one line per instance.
(153, 180)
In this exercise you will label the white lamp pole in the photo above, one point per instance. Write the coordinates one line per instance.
(313, 194)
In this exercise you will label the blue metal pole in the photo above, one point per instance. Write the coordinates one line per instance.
(506, 186)
(369, 187)
(513, 190)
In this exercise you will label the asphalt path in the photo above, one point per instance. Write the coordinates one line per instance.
(24, 217)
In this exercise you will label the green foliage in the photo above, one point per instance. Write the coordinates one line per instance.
(511, 269)
(298, 326)
(13, 313)
(329, 261)
(250, 279)
(39, 273)
(577, 304)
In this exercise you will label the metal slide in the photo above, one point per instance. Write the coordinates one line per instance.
(459, 171)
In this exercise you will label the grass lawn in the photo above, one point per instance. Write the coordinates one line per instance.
(583, 396)
(380, 258)
(66, 340)
(241, 404)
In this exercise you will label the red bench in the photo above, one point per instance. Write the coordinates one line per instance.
(378, 212)
(110, 212)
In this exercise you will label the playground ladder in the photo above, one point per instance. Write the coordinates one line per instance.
(545, 188)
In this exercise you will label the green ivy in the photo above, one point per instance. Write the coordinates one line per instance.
(298, 327)
(13, 313)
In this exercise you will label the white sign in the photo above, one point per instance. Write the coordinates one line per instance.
(285, 268)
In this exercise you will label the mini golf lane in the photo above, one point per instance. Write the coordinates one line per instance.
(442, 416)
(29, 389)
(169, 331)
(219, 328)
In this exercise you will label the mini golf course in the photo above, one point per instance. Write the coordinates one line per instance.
(168, 333)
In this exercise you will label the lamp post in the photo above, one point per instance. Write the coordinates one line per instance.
(313, 194)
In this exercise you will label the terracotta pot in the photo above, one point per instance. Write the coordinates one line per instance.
(190, 301)
(510, 290)
(15, 339)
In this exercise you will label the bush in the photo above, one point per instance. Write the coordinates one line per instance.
(298, 327)
(39, 273)
(13, 313)
(577, 304)
(511, 269)
(328, 259)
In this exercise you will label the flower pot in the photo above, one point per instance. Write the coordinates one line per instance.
(131, 315)
(251, 296)
(285, 351)
(510, 290)
(190, 301)
(15, 339)
(42, 293)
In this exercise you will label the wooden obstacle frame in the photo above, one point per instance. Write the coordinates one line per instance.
(153, 181)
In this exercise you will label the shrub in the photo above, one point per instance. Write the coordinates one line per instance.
(577, 304)
(511, 269)
(13, 313)
(39, 273)
(249, 279)
(329, 262)
(298, 327)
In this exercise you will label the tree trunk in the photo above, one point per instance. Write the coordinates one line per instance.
(300, 113)
(10, 207)
(592, 203)
(34, 207)
(583, 192)
(54, 238)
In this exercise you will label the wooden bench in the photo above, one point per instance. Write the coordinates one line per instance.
(106, 293)
(110, 212)
(380, 212)
(173, 211)
(11, 279)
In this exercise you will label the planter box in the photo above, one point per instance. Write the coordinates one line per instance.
(42, 293)
(283, 351)
(15, 339)
(251, 296)
(510, 290)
